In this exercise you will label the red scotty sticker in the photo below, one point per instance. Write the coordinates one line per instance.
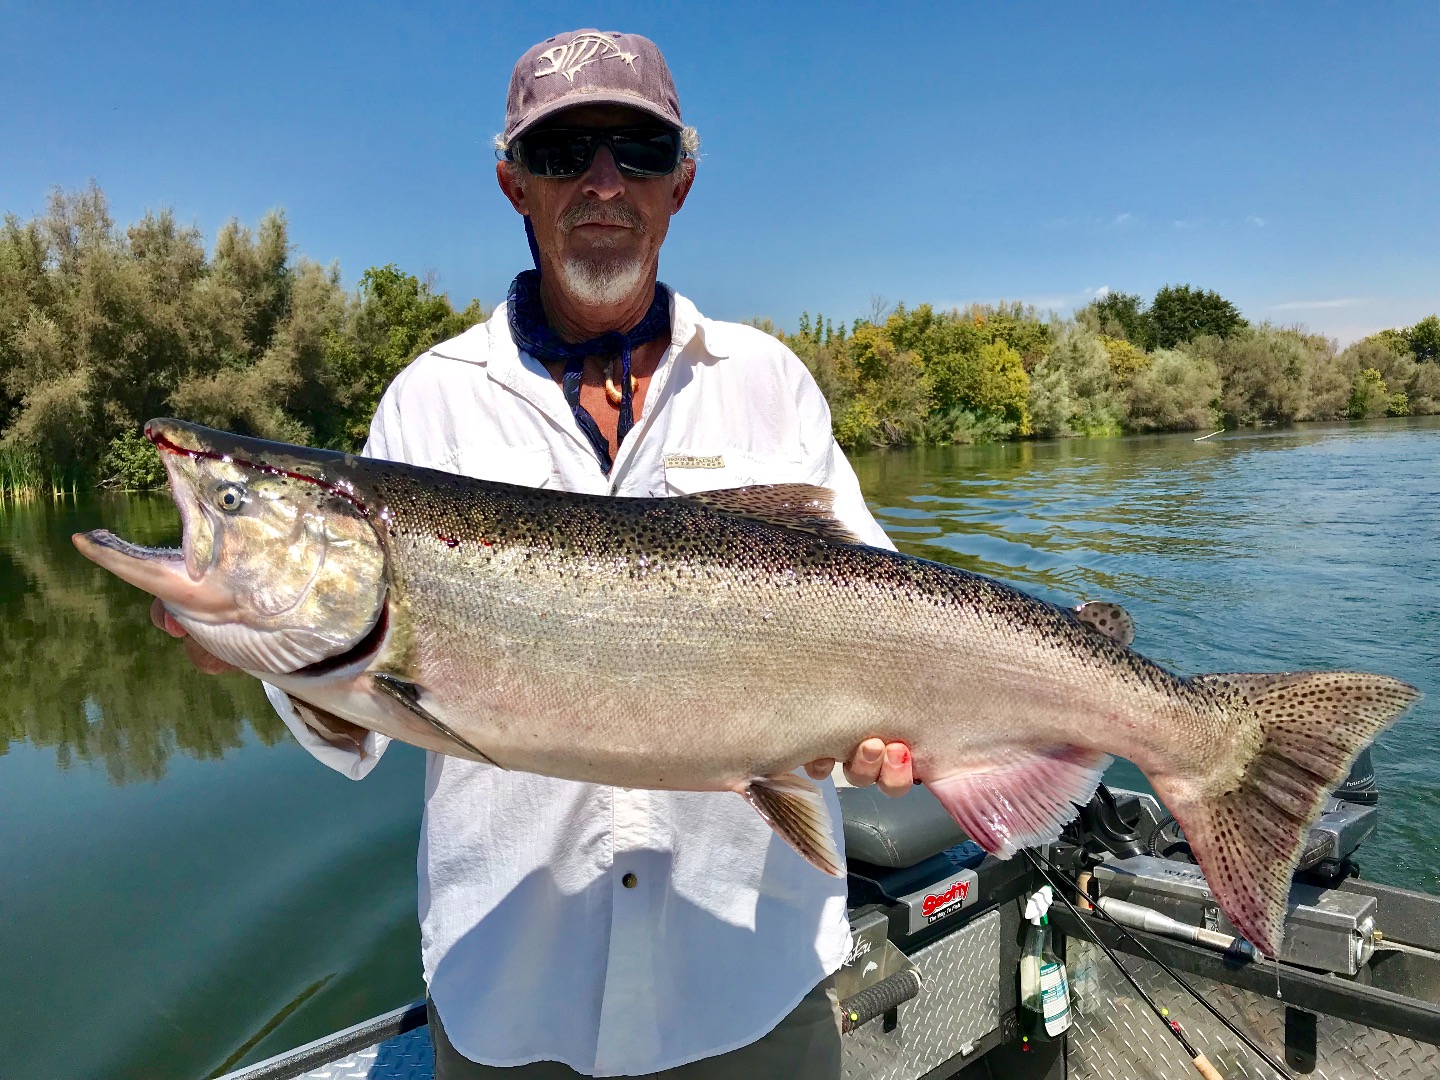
(956, 894)
(942, 899)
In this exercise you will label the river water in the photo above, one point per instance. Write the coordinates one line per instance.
(182, 890)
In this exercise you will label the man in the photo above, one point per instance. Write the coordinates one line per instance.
(570, 928)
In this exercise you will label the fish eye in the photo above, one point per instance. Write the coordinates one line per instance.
(230, 497)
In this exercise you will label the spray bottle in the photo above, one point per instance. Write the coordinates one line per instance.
(1044, 989)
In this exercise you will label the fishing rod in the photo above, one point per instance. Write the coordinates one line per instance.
(1201, 1063)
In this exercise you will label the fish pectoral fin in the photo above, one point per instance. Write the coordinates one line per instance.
(333, 729)
(1112, 620)
(803, 507)
(795, 808)
(408, 694)
(1022, 799)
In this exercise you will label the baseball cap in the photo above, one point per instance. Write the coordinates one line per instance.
(589, 67)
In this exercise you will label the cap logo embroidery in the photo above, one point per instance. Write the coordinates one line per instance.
(584, 49)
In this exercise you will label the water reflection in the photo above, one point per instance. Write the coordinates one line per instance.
(84, 672)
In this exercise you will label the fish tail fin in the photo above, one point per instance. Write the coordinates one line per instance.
(1248, 839)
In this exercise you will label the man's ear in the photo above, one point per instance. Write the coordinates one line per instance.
(683, 185)
(505, 176)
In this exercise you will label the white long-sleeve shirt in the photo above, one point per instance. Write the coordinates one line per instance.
(534, 947)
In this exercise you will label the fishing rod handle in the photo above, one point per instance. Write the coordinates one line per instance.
(887, 994)
(1205, 1069)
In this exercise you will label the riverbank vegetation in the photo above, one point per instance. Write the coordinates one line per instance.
(1185, 361)
(103, 327)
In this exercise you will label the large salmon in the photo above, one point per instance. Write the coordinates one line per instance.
(717, 642)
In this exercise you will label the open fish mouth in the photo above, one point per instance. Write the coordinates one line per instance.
(160, 571)
(104, 538)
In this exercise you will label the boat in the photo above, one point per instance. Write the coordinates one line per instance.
(930, 987)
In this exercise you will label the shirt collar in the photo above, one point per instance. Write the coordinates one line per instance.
(490, 345)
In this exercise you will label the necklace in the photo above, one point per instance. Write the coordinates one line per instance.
(612, 392)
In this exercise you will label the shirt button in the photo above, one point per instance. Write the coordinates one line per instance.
(629, 881)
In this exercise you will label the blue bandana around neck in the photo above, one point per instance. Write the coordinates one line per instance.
(533, 335)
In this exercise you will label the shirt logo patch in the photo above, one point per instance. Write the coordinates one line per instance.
(690, 461)
(583, 49)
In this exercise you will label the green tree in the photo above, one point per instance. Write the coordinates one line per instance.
(1424, 339)
(1072, 391)
(1176, 391)
(102, 328)
(1180, 313)
(1121, 315)
(398, 317)
(1369, 397)
(1266, 373)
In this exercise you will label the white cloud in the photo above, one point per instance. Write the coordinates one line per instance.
(1122, 219)
(1186, 223)
(1257, 221)
(1312, 305)
(1102, 292)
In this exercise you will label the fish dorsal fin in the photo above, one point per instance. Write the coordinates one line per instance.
(1112, 620)
(795, 809)
(803, 507)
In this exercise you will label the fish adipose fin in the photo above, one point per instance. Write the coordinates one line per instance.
(795, 808)
(1023, 799)
(408, 695)
(802, 507)
(1247, 840)
(1112, 620)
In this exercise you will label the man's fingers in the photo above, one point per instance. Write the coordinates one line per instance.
(863, 768)
(820, 768)
(163, 620)
(206, 662)
(897, 774)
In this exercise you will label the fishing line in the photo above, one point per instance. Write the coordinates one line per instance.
(1259, 1051)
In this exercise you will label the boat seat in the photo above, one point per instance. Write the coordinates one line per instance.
(896, 832)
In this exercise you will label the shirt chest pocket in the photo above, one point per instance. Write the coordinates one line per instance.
(687, 473)
(522, 466)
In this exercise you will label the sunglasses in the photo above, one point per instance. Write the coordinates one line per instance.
(564, 153)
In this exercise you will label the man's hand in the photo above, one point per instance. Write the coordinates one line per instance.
(874, 761)
(204, 661)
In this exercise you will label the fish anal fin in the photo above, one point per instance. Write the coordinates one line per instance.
(796, 810)
(1247, 836)
(1112, 620)
(334, 730)
(408, 695)
(1021, 799)
(803, 507)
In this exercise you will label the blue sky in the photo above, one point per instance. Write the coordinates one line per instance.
(1285, 155)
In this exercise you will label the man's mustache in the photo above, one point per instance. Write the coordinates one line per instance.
(598, 213)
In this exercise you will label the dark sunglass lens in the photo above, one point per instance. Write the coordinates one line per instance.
(648, 152)
(557, 153)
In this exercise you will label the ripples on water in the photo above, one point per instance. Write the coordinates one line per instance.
(183, 889)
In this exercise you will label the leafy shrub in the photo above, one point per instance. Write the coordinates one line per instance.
(1072, 391)
(131, 463)
(1369, 397)
(1175, 392)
